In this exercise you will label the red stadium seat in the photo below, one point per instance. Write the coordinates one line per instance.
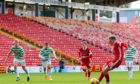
(64, 35)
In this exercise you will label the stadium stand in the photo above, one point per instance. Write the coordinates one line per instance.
(89, 30)
(31, 54)
(94, 32)
(66, 35)
(57, 39)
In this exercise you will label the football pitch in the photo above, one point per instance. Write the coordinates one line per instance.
(69, 78)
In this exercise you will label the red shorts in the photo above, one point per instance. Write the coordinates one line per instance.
(112, 64)
(85, 63)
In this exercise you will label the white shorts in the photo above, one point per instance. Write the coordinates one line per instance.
(19, 61)
(46, 63)
(129, 63)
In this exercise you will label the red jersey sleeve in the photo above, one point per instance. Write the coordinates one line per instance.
(90, 54)
(119, 49)
(125, 45)
(80, 54)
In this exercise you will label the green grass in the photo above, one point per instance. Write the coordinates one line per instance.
(69, 78)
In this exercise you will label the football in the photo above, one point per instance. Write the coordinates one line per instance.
(94, 81)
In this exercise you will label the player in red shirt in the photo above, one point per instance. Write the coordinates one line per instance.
(118, 52)
(85, 55)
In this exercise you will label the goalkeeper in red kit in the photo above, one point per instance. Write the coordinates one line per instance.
(85, 55)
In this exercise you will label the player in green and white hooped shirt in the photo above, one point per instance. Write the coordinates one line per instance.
(18, 59)
(45, 55)
(131, 53)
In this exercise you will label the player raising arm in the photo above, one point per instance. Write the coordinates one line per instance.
(45, 56)
(85, 55)
(118, 52)
(18, 59)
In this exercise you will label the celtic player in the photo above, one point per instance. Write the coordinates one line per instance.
(45, 55)
(18, 59)
(131, 53)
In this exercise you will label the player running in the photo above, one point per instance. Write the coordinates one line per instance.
(18, 59)
(131, 53)
(118, 52)
(45, 55)
(85, 55)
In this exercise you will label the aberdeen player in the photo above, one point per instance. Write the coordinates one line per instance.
(85, 55)
(118, 52)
